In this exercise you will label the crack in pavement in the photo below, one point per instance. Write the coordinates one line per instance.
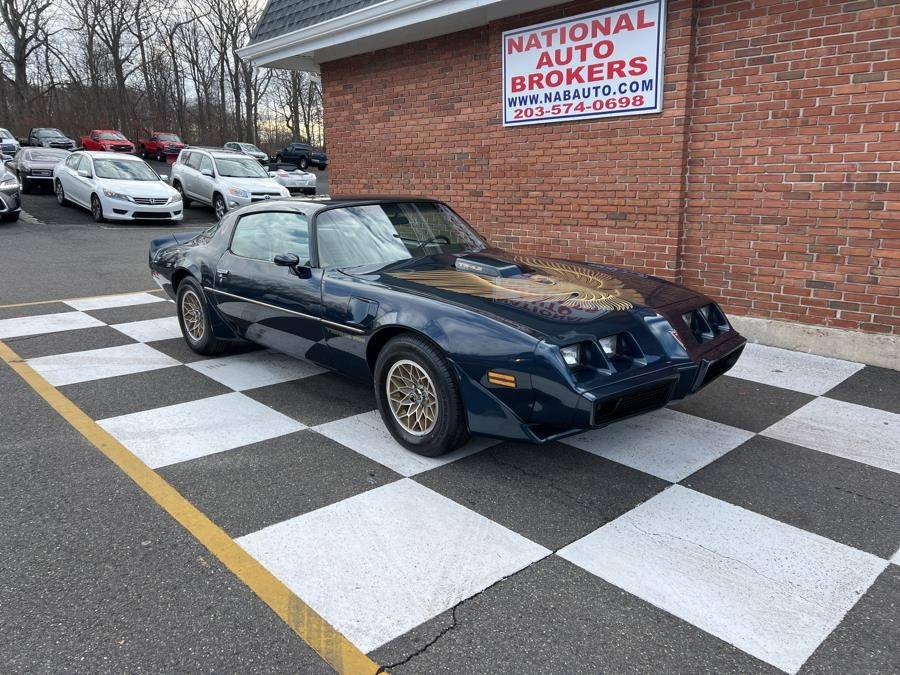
(867, 497)
(779, 582)
(454, 619)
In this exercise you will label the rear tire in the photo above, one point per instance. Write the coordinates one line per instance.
(418, 397)
(193, 317)
(10, 217)
(185, 202)
(303, 163)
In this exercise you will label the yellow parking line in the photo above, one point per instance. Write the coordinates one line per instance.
(50, 302)
(332, 646)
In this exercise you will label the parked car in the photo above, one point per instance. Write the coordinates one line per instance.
(221, 179)
(10, 198)
(160, 145)
(107, 140)
(248, 149)
(303, 155)
(457, 338)
(296, 181)
(48, 137)
(34, 166)
(8, 143)
(115, 186)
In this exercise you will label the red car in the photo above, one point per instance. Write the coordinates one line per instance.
(160, 145)
(106, 140)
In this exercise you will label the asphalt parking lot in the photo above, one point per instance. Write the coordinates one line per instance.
(752, 528)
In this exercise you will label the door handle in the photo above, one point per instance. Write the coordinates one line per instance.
(223, 273)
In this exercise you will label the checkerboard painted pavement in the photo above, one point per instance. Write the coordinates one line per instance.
(753, 527)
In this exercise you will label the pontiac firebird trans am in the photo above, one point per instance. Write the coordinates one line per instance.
(456, 337)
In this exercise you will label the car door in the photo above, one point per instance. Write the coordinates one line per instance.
(73, 182)
(206, 182)
(272, 305)
(190, 174)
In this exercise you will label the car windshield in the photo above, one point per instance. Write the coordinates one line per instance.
(50, 133)
(248, 147)
(239, 167)
(124, 169)
(4, 133)
(384, 233)
(46, 155)
(110, 136)
(171, 138)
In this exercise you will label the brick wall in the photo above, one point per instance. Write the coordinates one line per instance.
(768, 181)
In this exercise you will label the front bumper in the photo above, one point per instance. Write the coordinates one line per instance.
(235, 202)
(576, 411)
(10, 202)
(115, 209)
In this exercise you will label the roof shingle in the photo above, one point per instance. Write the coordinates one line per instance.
(284, 16)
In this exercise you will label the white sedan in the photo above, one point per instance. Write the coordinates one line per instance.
(115, 186)
(295, 180)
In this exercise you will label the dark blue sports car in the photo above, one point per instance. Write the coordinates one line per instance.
(458, 338)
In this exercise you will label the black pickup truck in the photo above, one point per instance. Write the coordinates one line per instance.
(302, 155)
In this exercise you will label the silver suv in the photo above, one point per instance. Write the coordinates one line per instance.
(223, 180)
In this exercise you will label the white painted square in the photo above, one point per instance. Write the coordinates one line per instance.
(95, 364)
(665, 443)
(770, 589)
(46, 323)
(367, 435)
(256, 369)
(847, 430)
(807, 373)
(110, 301)
(389, 559)
(151, 330)
(185, 431)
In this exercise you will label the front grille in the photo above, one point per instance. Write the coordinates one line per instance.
(260, 196)
(302, 190)
(150, 215)
(150, 201)
(8, 147)
(650, 398)
(121, 148)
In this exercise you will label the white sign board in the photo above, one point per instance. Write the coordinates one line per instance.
(600, 64)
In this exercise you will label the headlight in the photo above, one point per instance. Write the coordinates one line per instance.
(285, 192)
(9, 184)
(175, 198)
(116, 195)
(609, 345)
(573, 355)
(238, 192)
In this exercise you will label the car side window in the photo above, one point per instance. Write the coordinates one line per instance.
(85, 165)
(194, 161)
(72, 162)
(264, 235)
(206, 165)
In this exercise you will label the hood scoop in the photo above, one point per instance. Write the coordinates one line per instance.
(487, 267)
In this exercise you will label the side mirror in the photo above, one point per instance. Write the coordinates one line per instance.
(287, 260)
(84, 174)
(207, 173)
(164, 176)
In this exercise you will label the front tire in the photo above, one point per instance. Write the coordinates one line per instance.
(161, 157)
(97, 209)
(219, 206)
(60, 194)
(10, 217)
(418, 397)
(193, 317)
(303, 163)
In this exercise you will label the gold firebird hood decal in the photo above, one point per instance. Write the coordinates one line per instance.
(552, 281)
